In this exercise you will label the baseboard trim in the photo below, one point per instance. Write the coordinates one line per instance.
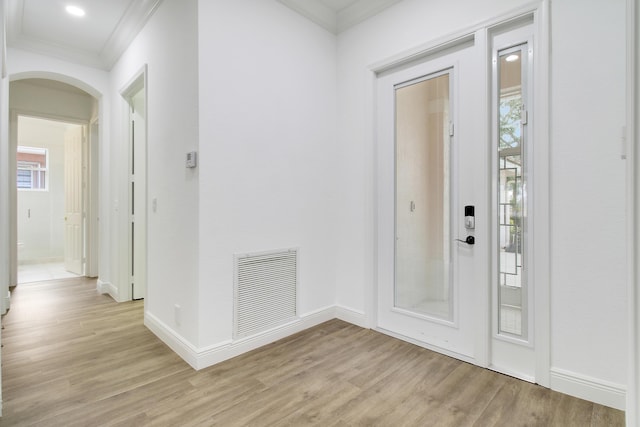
(588, 388)
(349, 315)
(108, 288)
(102, 287)
(176, 342)
(48, 260)
(200, 358)
(6, 303)
(209, 356)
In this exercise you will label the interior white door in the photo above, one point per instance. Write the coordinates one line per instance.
(73, 203)
(430, 166)
(137, 204)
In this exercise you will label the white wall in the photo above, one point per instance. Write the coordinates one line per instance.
(588, 190)
(267, 151)
(168, 45)
(588, 318)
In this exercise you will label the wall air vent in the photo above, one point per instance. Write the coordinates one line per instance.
(265, 291)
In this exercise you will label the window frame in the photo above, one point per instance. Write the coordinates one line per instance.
(38, 172)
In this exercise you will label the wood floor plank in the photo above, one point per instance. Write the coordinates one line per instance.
(72, 357)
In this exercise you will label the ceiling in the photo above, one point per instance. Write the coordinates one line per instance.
(338, 15)
(101, 36)
(97, 39)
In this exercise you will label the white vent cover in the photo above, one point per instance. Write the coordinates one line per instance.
(265, 291)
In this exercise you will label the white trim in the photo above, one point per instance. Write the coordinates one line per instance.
(354, 317)
(542, 215)
(109, 289)
(6, 302)
(39, 260)
(135, 17)
(452, 39)
(200, 358)
(175, 341)
(102, 286)
(209, 356)
(92, 204)
(584, 387)
(138, 82)
(630, 150)
(14, 114)
(482, 343)
(337, 21)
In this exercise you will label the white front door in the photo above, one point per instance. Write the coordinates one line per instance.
(432, 166)
(73, 203)
(456, 215)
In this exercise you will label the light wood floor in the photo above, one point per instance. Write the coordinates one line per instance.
(72, 357)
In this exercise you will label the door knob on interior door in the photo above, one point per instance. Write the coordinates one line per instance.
(470, 240)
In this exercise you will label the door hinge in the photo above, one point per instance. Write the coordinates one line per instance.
(451, 129)
(524, 117)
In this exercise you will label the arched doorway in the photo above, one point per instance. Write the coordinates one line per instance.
(59, 99)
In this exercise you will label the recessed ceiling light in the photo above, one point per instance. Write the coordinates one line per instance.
(512, 58)
(75, 11)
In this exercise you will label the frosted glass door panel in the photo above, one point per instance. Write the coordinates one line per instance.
(423, 241)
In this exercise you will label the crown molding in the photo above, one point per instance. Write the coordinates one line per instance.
(316, 12)
(361, 11)
(341, 20)
(132, 21)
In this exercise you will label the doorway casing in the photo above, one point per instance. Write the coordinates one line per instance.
(134, 115)
(93, 183)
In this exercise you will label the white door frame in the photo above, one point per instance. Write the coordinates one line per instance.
(632, 142)
(137, 83)
(92, 204)
(90, 243)
(480, 33)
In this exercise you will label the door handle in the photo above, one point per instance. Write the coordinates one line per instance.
(470, 240)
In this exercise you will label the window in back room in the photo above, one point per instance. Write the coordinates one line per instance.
(32, 168)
